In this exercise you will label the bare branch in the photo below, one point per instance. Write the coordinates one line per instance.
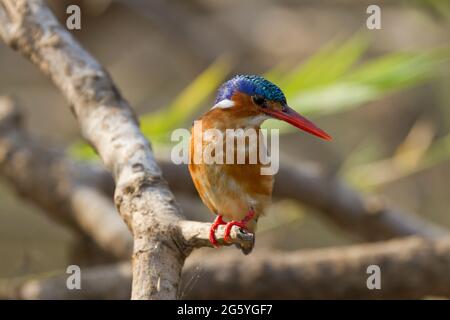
(65, 190)
(104, 282)
(196, 235)
(108, 123)
(369, 217)
(411, 268)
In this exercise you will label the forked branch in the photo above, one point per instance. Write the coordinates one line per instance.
(106, 120)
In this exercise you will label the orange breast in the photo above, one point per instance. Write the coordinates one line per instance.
(230, 190)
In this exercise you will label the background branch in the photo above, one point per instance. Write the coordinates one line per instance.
(66, 190)
(411, 268)
(369, 217)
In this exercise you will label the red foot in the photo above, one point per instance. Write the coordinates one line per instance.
(230, 225)
(241, 224)
(212, 236)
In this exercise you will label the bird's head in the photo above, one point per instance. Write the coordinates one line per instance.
(254, 99)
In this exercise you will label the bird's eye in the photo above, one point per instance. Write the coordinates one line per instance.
(259, 100)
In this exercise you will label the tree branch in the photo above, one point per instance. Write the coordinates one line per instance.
(142, 197)
(370, 217)
(411, 268)
(67, 191)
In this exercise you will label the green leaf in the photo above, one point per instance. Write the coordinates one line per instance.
(399, 70)
(325, 67)
(82, 151)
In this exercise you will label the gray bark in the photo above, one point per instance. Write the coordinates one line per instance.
(106, 120)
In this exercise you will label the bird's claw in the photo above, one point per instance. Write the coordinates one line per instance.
(219, 221)
(212, 232)
(230, 225)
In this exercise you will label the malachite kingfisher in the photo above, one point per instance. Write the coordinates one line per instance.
(238, 193)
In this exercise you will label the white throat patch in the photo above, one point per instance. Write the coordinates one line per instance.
(257, 120)
(224, 104)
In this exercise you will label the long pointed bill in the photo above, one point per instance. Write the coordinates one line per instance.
(290, 116)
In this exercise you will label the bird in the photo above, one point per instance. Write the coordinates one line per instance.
(237, 193)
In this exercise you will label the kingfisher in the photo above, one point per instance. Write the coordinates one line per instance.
(237, 192)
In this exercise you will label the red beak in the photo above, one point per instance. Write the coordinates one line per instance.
(289, 115)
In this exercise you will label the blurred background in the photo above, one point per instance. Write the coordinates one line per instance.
(382, 94)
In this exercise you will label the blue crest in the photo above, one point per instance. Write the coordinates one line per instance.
(251, 85)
